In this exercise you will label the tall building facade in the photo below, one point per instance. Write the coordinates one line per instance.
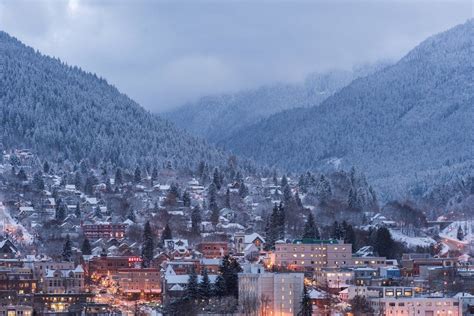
(309, 255)
(266, 293)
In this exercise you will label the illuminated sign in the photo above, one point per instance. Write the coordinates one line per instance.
(134, 259)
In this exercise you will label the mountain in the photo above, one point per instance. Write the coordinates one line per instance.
(62, 112)
(406, 121)
(216, 118)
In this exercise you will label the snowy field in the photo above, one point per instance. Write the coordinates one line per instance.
(411, 242)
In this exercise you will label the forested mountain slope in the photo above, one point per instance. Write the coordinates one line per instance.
(404, 122)
(63, 112)
(218, 117)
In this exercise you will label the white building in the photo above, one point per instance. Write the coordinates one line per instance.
(398, 300)
(270, 293)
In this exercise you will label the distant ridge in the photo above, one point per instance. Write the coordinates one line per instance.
(218, 117)
(402, 124)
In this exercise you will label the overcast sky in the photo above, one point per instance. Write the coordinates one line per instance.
(166, 53)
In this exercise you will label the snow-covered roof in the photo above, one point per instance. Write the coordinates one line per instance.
(184, 278)
(251, 238)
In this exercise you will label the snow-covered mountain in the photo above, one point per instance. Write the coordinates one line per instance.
(63, 113)
(216, 118)
(401, 124)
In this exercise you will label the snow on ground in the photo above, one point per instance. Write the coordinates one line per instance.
(451, 231)
(17, 231)
(411, 242)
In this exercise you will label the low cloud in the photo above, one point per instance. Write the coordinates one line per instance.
(164, 53)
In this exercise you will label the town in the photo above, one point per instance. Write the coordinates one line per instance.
(89, 239)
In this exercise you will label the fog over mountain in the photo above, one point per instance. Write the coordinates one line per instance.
(407, 122)
(218, 117)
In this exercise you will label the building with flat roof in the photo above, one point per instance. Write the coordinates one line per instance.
(139, 282)
(309, 255)
(266, 293)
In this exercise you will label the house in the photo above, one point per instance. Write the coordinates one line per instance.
(213, 249)
(242, 240)
(64, 281)
(7, 249)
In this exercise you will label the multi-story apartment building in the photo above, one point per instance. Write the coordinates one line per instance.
(42, 267)
(308, 255)
(213, 249)
(266, 293)
(104, 230)
(64, 281)
(109, 265)
(139, 282)
(412, 262)
(335, 278)
(428, 306)
(399, 300)
(18, 280)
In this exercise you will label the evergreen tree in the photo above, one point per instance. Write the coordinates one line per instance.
(216, 179)
(336, 231)
(22, 175)
(46, 167)
(131, 216)
(287, 195)
(186, 199)
(275, 179)
(201, 168)
(60, 211)
(229, 270)
(310, 228)
(272, 228)
(205, 290)
(86, 247)
(306, 306)
(77, 211)
(243, 190)
(323, 190)
(281, 221)
(227, 198)
(284, 181)
(353, 200)
(38, 181)
(166, 234)
(154, 175)
(384, 244)
(137, 178)
(215, 216)
(118, 177)
(213, 204)
(89, 186)
(98, 212)
(108, 186)
(350, 236)
(148, 245)
(219, 287)
(298, 200)
(196, 220)
(67, 249)
(78, 181)
(192, 288)
(460, 234)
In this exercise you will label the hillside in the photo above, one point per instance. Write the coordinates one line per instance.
(216, 118)
(407, 121)
(62, 112)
